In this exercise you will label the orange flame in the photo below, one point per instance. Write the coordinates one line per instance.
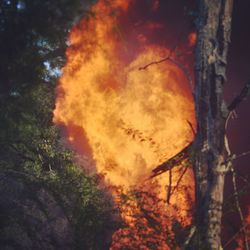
(131, 120)
(192, 39)
(244, 233)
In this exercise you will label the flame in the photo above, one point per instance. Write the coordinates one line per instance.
(192, 39)
(243, 234)
(127, 117)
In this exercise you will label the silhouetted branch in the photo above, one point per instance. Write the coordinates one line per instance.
(237, 100)
(192, 128)
(159, 61)
(154, 62)
(169, 193)
(236, 196)
(234, 237)
(180, 178)
(241, 97)
(168, 58)
(170, 189)
(172, 162)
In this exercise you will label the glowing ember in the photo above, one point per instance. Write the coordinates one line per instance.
(129, 120)
(192, 39)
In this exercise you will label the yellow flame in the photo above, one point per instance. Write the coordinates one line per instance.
(133, 120)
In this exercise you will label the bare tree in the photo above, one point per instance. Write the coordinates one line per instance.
(211, 150)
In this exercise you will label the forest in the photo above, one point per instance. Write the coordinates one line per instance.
(124, 125)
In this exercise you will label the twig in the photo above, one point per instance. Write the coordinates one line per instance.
(241, 97)
(172, 162)
(159, 61)
(190, 236)
(234, 236)
(241, 155)
(228, 162)
(245, 180)
(168, 58)
(169, 193)
(235, 157)
(192, 128)
(236, 196)
(237, 101)
(154, 62)
(180, 178)
(228, 118)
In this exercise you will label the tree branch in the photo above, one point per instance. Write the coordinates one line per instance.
(241, 97)
(237, 203)
(179, 65)
(192, 128)
(233, 157)
(159, 61)
(234, 237)
(190, 236)
(180, 178)
(169, 193)
(172, 162)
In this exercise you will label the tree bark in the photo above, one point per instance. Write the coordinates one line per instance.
(210, 154)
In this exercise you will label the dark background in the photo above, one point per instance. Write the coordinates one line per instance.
(238, 72)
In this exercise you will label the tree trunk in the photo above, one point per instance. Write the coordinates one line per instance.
(210, 157)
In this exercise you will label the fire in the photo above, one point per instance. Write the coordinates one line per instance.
(127, 117)
(192, 38)
(243, 234)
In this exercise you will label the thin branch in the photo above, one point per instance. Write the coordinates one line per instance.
(190, 236)
(234, 157)
(245, 180)
(180, 178)
(241, 97)
(168, 58)
(228, 162)
(237, 101)
(192, 128)
(241, 155)
(234, 236)
(169, 193)
(230, 114)
(244, 190)
(172, 162)
(159, 61)
(155, 62)
(236, 196)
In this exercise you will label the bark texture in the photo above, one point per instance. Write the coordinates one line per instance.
(210, 164)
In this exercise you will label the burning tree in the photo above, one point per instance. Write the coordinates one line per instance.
(118, 110)
(124, 100)
(102, 101)
(211, 148)
(212, 158)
